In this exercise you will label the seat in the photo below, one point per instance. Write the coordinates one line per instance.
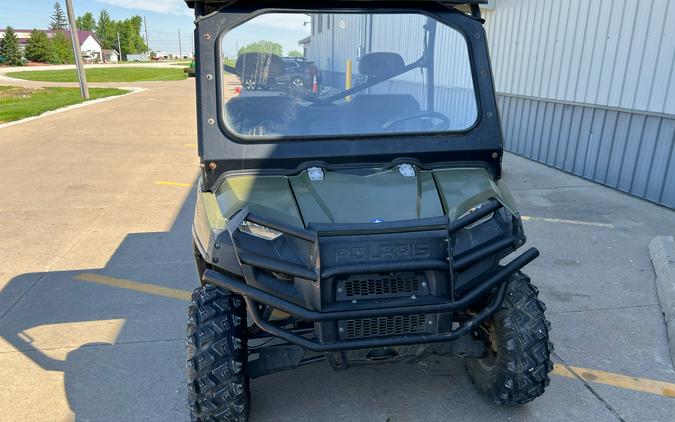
(260, 113)
(368, 112)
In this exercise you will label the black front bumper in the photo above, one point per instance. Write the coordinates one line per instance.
(311, 260)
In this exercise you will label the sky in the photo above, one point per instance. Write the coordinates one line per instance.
(284, 28)
(164, 20)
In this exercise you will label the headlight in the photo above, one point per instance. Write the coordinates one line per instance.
(258, 231)
(479, 222)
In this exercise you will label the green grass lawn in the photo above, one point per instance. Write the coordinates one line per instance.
(17, 103)
(104, 74)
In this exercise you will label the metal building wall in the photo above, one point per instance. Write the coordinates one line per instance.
(588, 87)
(350, 34)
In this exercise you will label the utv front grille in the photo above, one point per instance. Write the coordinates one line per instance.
(376, 286)
(384, 326)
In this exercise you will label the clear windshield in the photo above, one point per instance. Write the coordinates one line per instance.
(299, 75)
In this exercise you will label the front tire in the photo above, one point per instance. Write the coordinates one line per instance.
(218, 383)
(515, 371)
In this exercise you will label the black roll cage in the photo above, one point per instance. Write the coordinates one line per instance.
(223, 153)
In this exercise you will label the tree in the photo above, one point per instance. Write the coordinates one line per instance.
(9, 48)
(62, 51)
(59, 20)
(263, 46)
(130, 35)
(295, 53)
(105, 30)
(86, 22)
(38, 47)
(129, 31)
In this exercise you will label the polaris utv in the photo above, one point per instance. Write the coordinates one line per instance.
(362, 221)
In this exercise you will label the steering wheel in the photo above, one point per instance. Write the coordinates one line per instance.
(420, 115)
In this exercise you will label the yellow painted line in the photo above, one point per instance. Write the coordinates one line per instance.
(121, 283)
(644, 385)
(183, 185)
(563, 221)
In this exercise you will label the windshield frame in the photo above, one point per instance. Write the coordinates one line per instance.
(221, 155)
(233, 136)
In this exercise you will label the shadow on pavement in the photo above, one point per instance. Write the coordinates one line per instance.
(142, 375)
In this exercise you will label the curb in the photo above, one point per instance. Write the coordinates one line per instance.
(662, 253)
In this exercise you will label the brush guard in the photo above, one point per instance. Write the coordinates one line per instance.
(307, 257)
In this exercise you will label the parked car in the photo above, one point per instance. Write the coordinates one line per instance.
(298, 73)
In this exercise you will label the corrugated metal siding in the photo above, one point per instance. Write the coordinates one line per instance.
(614, 53)
(454, 84)
(630, 151)
(588, 87)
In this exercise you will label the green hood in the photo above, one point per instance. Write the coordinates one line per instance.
(382, 195)
(360, 197)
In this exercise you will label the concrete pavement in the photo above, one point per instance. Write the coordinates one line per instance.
(80, 192)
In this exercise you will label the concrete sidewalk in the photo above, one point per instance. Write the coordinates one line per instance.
(83, 192)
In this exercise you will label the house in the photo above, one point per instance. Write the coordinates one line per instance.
(90, 46)
(110, 56)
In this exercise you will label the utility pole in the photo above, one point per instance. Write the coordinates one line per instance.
(119, 46)
(180, 47)
(147, 43)
(84, 89)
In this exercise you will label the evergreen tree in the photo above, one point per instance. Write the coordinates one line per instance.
(61, 51)
(9, 48)
(59, 20)
(38, 47)
(86, 22)
(105, 30)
